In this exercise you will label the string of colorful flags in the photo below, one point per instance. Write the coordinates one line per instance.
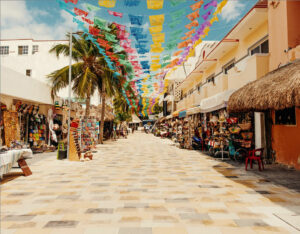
(147, 64)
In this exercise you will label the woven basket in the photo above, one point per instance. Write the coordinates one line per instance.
(247, 135)
(245, 126)
(234, 130)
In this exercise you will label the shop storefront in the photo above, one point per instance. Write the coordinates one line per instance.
(277, 96)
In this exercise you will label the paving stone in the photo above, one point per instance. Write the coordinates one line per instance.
(136, 230)
(250, 222)
(144, 184)
(18, 217)
(99, 211)
(61, 224)
(191, 216)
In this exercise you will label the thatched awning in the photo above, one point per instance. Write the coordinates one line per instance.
(277, 90)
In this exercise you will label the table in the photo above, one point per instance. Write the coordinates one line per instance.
(9, 158)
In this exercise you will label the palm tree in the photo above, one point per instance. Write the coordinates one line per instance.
(85, 70)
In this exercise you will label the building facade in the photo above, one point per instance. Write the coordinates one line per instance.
(25, 65)
(266, 38)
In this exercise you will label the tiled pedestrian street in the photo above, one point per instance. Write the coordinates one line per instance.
(144, 185)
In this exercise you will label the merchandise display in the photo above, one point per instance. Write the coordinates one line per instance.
(11, 127)
(219, 134)
(89, 133)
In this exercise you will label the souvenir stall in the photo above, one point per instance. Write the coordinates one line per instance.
(229, 136)
(89, 133)
(26, 124)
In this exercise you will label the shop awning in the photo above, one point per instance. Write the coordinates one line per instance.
(135, 119)
(182, 114)
(215, 102)
(193, 110)
(176, 113)
(277, 90)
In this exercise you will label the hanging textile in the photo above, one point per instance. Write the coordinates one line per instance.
(155, 67)
(156, 48)
(189, 33)
(192, 24)
(117, 14)
(176, 2)
(174, 24)
(158, 37)
(136, 30)
(110, 37)
(101, 23)
(184, 44)
(197, 5)
(157, 61)
(213, 3)
(107, 3)
(131, 3)
(94, 31)
(166, 57)
(156, 20)
(170, 45)
(155, 4)
(177, 14)
(156, 29)
(80, 12)
(87, 20)
(206, 15)
(91, 7)
(176, 33)
(177, 53)
(136, 20)
(193, 15)
(72, 1)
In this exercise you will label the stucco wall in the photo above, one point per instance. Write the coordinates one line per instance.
(17, 85)
(278, 35)
(249, 69)
(293, 19)
(286, 142)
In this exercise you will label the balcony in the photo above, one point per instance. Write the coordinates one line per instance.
(247, 70)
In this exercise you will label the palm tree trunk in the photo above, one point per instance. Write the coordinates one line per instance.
(102, 112)
(87, 106)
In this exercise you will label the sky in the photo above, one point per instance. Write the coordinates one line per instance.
(44, 20)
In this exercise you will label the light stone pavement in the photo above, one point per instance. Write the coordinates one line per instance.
(144, 185)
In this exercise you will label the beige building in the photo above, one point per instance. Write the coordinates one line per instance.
(240, 57)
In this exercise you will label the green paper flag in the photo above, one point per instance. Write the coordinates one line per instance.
(176, 2)
(91, 7)
(166, 57)
(177, 14)
(174, 23)
(101, 23)
(110, 37)
(176, 33)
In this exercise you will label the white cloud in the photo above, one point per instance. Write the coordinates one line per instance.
(17, 21)
(232, 10)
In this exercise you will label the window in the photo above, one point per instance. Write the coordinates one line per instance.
(286, 116)
(4, 49)
(227, 67)
(28, 72)
(23, 50)
(262, 48)
(35, 48)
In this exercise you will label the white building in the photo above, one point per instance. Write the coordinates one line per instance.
(25, 64)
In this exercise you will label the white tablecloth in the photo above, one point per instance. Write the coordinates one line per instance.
(9, 158)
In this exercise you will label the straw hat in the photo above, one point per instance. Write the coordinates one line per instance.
(214, 119)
